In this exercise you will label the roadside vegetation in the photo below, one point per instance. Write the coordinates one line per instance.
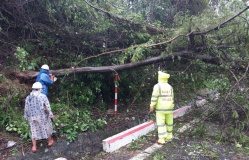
(203, 45)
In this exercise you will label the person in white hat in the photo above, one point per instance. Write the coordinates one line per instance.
(38, 113)
(44, 78)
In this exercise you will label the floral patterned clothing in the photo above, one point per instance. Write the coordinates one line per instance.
(35, 113)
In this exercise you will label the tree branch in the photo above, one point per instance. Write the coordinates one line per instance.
(152, 30)
(222, 24)
(135, 46)
(161, 43)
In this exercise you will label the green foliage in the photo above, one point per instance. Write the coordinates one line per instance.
(74, 120)
(77, 92)
(195, 76)
(71, 117)
(238, 137)
(4, 118)
(199, 131)
(73, 31)
(21, 127)
(70, 120)
(159, 156)
(221, 84)
(22, 55)
(2, 78)
(135, 17)
(136, 144)
(25, 44)
(10, 118)
(139, 90)
(179, 45)
(234, 110)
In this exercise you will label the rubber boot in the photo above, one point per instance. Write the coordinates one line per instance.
(169, 137)
(161, 141)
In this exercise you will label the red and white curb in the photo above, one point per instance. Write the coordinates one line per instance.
(121, 139)
(181, 111)
(115, 142)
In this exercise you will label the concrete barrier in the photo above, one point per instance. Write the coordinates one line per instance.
(121, 139)
(181, 111)
(115, 142)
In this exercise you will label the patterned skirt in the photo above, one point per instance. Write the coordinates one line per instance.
(41, 128)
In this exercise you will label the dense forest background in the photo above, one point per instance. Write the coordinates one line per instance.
(203, 44)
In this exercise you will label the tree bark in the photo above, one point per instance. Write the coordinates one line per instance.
(151, 16)
(103, 69)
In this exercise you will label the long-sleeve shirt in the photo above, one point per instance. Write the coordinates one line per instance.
(43, 78)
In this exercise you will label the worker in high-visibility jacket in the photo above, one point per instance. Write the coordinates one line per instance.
(162, 101)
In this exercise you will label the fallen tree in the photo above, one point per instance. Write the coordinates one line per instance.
(191, 35)
(187, 54)
(60, 72)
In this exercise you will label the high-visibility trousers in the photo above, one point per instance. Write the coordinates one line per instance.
(164, 123)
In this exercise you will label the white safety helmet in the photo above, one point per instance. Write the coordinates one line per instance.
(45, 66)
(37, 85)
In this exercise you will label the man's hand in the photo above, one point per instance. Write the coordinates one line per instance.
(151, 110)
(51, 115)
(52, 77)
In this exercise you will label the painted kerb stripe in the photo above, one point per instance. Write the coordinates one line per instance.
(130, 132)
(116, 141)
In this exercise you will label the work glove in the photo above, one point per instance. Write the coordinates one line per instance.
(52, 77)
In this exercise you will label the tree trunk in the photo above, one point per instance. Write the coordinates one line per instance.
(151, 17)
(61, 72)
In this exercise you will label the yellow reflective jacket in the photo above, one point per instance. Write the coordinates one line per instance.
(162, 96)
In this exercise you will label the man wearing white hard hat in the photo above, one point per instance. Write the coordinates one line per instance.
(44, 78)
(38, 113)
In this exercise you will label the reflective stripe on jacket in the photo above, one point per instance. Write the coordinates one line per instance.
(162, 97)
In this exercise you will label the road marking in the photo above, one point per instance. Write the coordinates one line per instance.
(147, 152)
(177, 113)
